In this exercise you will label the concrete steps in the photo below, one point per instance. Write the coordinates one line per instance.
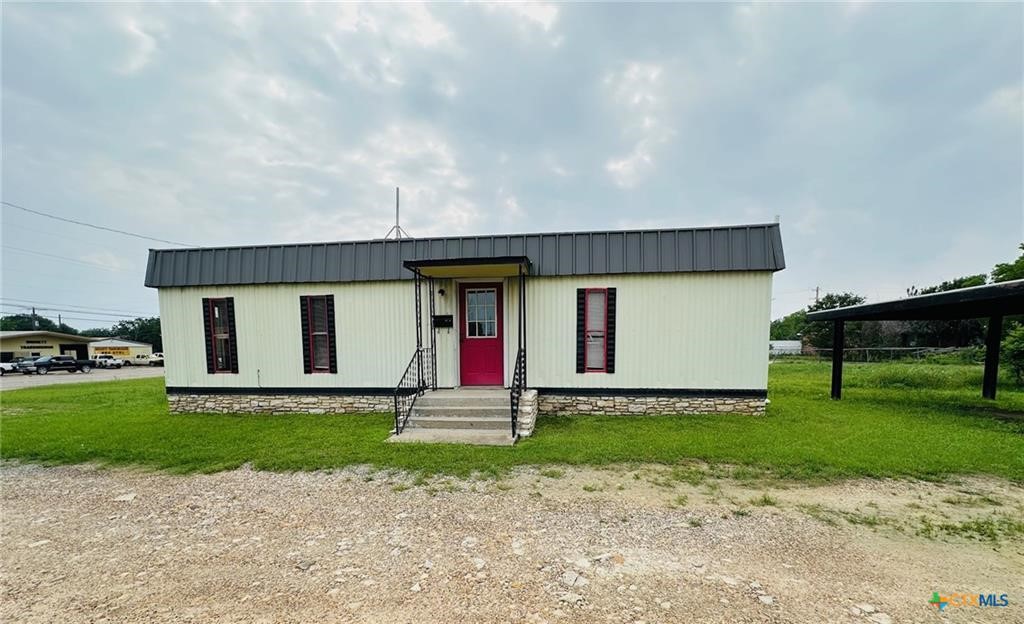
(454, 436)
(460, 416)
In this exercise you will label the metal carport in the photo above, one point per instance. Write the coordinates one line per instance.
(991, 301)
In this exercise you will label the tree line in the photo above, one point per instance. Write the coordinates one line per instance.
(140, 330)
(869, 334)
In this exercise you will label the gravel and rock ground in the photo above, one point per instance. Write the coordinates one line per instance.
(627, 544)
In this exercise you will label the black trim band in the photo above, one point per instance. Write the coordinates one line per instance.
(208, 390)
(672, 392)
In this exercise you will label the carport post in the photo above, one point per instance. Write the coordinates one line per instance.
(838, 329)
(995, 332)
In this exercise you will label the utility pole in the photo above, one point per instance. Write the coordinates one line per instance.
(59, 322)
(817, 291)
(35, 321)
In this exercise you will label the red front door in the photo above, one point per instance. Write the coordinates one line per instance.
(481, 346)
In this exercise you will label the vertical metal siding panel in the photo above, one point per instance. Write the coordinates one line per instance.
(348, 261)
(684, 258)
(583, 264)
(317, 263)
(616, 252)
(468, 248)
(667, 251)
(720, 250)
(563, 252)
(275, 268)
(599, 253)
(485, 247)
(758, 249)
(332, 262)
(392, 260)
(737, 248)
(234, 266)
(549, 253)
(500, 245)
(532, 251)
(634, 254)
(702, 250)
(376, 267)
(247, 260)
(649, 249)
(517, 246)
(303, 262)
(290, 263)
(451, 248)
(361, 260)
(259, 265)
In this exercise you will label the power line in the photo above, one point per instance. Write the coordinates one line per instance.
(65, 258)
(103, 314)
(75, 318)
(93, 226)
(87, 309)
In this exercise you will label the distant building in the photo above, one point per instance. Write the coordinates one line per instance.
(119, 347)
(785, 347)
(27, 344)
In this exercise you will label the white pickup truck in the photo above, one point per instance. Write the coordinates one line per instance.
(105, 360)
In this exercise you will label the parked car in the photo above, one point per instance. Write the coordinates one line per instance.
(67, 363)
(26, 365)
(105, 360)
(141, 359)
(157, 359)
(6, 367)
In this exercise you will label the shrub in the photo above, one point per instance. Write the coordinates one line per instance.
(1013, 352)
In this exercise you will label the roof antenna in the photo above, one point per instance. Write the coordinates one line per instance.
(396, 229)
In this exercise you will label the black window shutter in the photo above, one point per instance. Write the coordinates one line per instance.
(610, 336)
(231, 334)
(581, 337)
(307, 357)
(330, 334)
(208, 332)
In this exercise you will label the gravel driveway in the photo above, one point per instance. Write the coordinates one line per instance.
(82, 544)
(14, 381)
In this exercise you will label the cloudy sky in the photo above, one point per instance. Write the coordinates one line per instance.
(888, 139)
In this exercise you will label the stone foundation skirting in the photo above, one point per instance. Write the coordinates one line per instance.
(278, 403)
(618, 405)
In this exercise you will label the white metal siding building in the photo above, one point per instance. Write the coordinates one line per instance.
(620, 322)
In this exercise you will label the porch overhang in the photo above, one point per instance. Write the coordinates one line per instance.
(500, 266)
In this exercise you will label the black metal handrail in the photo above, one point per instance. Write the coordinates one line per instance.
(412, 384)
(518, 380)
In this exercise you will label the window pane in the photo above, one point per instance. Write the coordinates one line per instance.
(318, 312)
(491, 328)
(321, 351)
(596, 305)
(223, 360)
(595, 352)
(220, 316)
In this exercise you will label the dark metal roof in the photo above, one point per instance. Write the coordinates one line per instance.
(727, 248)
(1002, 299)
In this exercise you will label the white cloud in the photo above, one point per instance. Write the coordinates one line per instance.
(1004, 104)
(144, 45)
(539, 14)
(638, 92)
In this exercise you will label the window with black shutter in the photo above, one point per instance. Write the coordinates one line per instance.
(318, 340)
(221, 341)
(595, 330)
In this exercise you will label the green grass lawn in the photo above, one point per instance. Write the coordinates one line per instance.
(916, 420)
